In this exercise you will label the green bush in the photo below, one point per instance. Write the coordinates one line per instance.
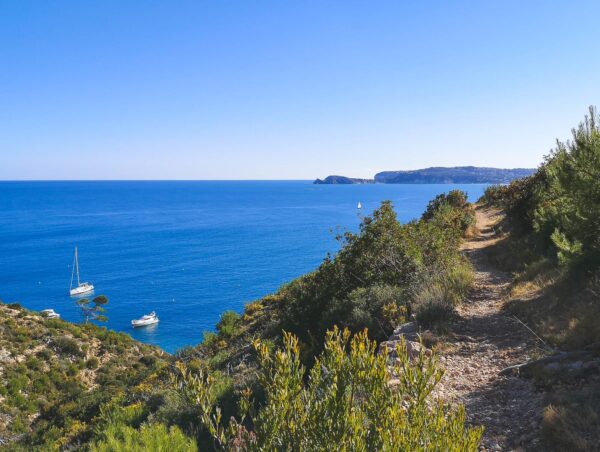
(456, 199)
(433, 305)
(227, 323)
(92, 363)
(560, 204)
(67, 346)
(379, 308)
(571, 207)
(493, 194)
(151, 438)
(346, 401)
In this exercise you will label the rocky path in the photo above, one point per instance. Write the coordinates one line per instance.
(483, 341)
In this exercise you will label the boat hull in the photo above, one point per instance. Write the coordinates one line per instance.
(137, 324)
(81, 290)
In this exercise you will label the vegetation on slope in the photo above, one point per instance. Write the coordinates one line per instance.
(65, 386)
(454, 175)
(55, 376)
(347, 401)
(553, 247)
(380, 276)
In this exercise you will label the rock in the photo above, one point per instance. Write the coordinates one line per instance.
(405, 329)
(591, 365)
(413, 348)
(428, 338)
(577, 365)
(5, 355)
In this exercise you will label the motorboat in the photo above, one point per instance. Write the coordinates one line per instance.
(148, 319)
(82, 287)
(359, 206)
(50, 314)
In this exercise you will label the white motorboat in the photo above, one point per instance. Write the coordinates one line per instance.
(148, 319)
(50, 314)
(82, 287)
(359, 205)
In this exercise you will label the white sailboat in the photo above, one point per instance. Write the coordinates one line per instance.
(81, 288)
(359, 205)
(148, 319)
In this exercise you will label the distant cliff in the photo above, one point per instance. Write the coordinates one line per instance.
(455, 175)
(439, 175)
(342, 180)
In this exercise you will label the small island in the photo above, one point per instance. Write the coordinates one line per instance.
(438, 175)
(343, 180)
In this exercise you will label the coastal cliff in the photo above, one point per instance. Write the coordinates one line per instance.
(342, 180)
(438, 175)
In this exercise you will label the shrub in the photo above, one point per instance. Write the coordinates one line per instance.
(346, 402)
(253, 308)
(433, 306)
(456, 199)
(92, 363)
(560, 204)
(458, 281)
(148, 360)
(33, 363)
(493, 194)
(228, 322)
(67, 346)
(378, 308)
(152, 437)
(209, 338)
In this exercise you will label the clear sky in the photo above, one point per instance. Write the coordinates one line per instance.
(288, 89)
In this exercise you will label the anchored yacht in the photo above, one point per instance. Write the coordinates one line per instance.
(148, 319)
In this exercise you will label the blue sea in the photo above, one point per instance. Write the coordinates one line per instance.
(187, 250)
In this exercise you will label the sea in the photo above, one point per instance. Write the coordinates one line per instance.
(187, 250)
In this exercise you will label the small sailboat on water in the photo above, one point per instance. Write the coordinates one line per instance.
(359, 205)
(148, 319)
(81, 288)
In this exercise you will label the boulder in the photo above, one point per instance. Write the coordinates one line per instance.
(413, 348)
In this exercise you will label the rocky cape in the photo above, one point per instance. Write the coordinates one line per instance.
(438, 175)
(342, 180)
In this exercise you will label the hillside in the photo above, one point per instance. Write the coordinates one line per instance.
(455, 175)
(342, 180)
(55, 375)
(438, 175)
(491, 308)
(547, 242)
(67, 386)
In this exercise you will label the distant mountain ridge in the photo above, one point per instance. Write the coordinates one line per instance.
(439, 175)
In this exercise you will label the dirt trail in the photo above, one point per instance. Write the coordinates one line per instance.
(483, 341)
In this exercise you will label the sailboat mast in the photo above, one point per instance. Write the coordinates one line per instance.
(73, 269)
(77, 267)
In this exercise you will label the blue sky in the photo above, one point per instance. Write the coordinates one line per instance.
(288, 90)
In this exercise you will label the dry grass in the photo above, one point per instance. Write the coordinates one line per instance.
(558, 308)
(571, 420)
